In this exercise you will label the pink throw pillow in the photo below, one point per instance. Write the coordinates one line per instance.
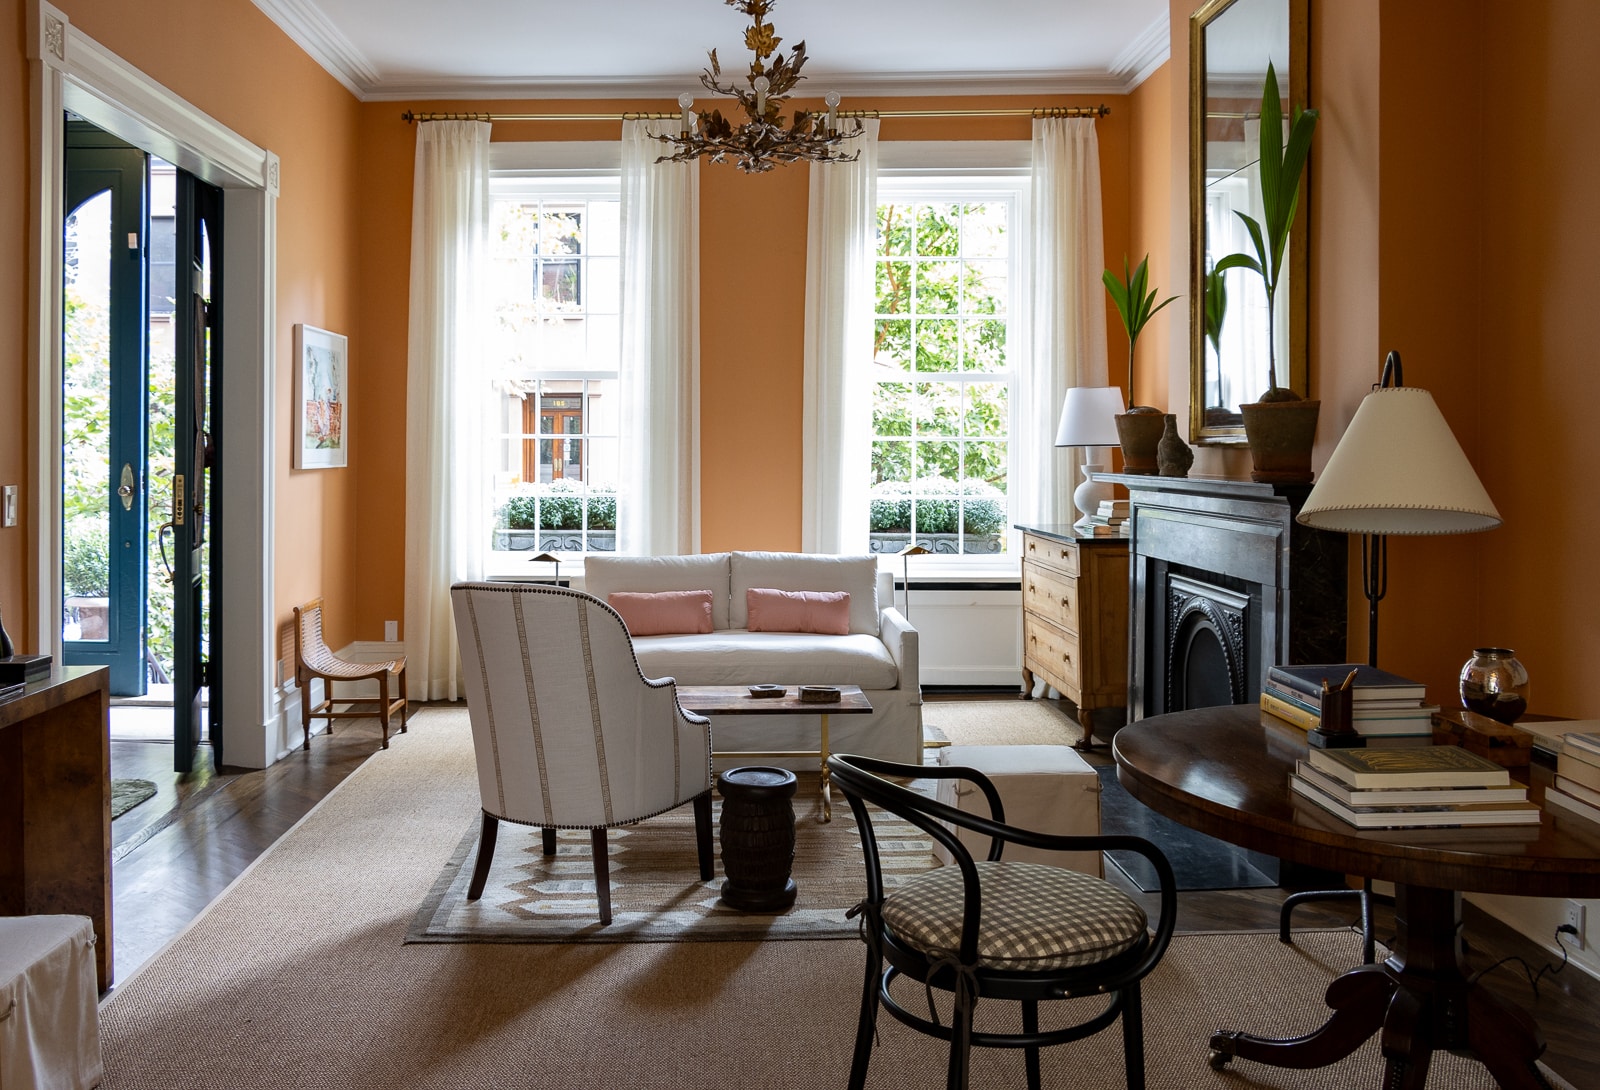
(826, 612)
(663, 613)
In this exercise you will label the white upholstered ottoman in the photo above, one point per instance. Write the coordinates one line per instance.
(49, 1018)
(1049, 789)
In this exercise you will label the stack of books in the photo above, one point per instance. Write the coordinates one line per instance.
(1577, 786)
(1434, 787)
(1111, 520)
(1386, 709)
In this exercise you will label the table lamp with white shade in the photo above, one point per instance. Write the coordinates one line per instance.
(1396, 470)
(1089, 419)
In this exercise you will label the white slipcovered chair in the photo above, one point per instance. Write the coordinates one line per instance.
(568, 733)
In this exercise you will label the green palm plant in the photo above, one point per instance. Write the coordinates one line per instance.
(1216, 308)
(1136, 305)
(1281, 165)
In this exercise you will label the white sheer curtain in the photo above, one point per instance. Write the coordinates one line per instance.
(837, 418)
(449, 403)
(658, 504)
(1069, 318)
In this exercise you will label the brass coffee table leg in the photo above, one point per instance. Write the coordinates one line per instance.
(827, 780)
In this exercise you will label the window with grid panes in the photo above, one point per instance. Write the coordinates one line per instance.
(554, 345)
(942, 376)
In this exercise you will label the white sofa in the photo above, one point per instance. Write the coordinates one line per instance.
(879, 653)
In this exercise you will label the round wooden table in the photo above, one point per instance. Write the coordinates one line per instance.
(1225, 771)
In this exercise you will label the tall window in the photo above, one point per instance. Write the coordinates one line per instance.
(945, 333)
(555, 282)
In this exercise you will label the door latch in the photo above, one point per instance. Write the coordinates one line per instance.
(125, 488)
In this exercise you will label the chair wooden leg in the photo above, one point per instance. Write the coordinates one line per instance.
(305, 711)
(405, 706)
(480, 869)
(549, 841)
(960, 1040)
(383, 708)
(702, 835)
(1030, 1054)
(1133, 1035)
(867, 1023)
(602, 874)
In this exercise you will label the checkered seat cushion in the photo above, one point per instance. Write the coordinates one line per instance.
(1035, 917)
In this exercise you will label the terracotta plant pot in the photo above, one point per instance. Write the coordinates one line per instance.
(1140, 433)
(1281, 434)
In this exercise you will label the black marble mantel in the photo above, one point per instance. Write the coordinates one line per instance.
(1280, 587)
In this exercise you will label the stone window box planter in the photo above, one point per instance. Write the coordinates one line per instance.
(890, 542)
(553, 541)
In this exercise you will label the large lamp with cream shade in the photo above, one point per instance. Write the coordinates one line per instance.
(1396, 470)
(1089, 419)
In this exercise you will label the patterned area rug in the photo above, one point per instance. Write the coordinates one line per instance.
(656, 892)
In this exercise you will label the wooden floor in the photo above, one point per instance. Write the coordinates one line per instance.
(177, 852)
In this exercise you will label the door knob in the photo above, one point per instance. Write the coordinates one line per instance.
(125, 489)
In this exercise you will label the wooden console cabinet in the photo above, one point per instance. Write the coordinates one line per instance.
(55, 802)
(1075, 621)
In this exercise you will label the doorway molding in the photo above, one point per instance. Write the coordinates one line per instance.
(72, 72)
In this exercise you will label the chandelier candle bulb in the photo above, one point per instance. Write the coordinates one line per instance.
(761, 84)
(832, 99)
(686, 101)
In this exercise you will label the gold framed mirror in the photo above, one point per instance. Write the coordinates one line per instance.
(1230, 44)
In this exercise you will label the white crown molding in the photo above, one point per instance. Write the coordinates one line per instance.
(906, 85)
(1146, 53)
(308, 28)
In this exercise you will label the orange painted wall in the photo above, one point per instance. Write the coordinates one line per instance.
(1154, 219)
(228, 59)
(1538, 382)
(752, 309)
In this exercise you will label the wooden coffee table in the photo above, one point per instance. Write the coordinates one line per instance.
(712, 700)
(1225, 771)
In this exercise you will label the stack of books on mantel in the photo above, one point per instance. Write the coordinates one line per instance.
(1111, 519)
(1387, 710)
(1577, 786)
(1435, 787)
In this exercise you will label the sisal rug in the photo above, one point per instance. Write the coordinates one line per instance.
(656, 891)
(298, 978)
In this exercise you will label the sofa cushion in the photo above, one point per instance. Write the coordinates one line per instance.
(604, 575)
(737, 657)
(663, 612)
(826, 612)
(855, 575)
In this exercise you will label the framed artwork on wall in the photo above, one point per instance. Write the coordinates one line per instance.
(321, 399)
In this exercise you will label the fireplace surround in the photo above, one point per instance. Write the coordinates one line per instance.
(1225, 584)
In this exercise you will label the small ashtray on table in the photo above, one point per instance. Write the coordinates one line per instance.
(821, 701)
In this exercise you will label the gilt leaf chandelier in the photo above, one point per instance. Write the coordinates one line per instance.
(764, 139)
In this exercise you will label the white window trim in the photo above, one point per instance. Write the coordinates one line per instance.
(1013, 184)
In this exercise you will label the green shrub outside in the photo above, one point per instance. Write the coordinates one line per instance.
(940, 502)
(559, 505)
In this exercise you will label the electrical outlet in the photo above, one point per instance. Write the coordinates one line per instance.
(1575, 920)
(391, 631)
(8, 506)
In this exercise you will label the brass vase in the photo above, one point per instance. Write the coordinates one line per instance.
(1281, 435)
(1139, 431)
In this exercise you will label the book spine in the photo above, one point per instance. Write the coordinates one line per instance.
(1579, 771)
(1307, 701)
(1582, 744)
(1290, 713)
(1559, 801)
(1578, 791)
(1283, 680)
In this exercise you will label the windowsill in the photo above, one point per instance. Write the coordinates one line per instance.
(925, 570)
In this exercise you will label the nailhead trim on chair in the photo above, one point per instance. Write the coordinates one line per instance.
(1034, 916)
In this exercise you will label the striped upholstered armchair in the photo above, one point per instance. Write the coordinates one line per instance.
(568, 733)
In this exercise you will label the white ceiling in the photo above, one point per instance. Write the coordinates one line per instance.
(398, 49)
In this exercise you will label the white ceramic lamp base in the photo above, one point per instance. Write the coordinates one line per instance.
(1087, 496)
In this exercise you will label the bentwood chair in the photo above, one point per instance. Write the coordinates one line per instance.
(313, 658)
(568, 733)
(995, 930)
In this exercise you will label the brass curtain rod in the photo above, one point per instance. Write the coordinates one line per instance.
(1038, 111)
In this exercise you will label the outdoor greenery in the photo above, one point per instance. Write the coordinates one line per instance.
(86, 467)
(559, 505)
(940, 411)
(937, 505)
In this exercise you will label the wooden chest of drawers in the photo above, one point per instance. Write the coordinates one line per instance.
(1075, 622)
